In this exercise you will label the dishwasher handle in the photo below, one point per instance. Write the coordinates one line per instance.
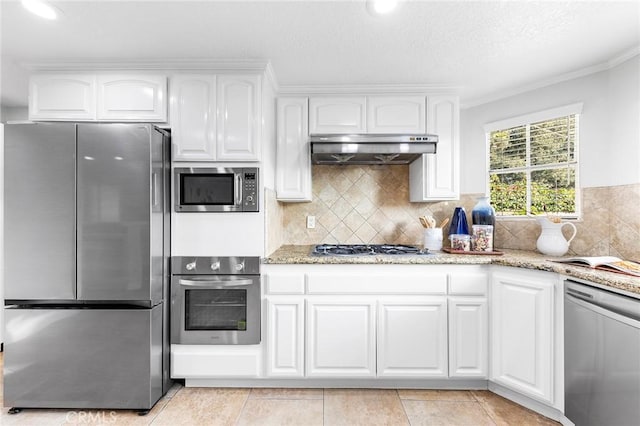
(626, 318)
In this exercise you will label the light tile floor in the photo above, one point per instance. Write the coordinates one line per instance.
(299, 407)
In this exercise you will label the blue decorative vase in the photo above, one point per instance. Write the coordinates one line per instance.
(459, 222)
(483, 213)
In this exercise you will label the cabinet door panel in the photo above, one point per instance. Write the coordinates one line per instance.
(522, 335)
(193, 117)
(412, 339)
(285, 337)
(340, 338)
(132, 97)
(437, 177)
(468, 337)
(395, 114)
(62, 97)
(293, 157)
(238, 118)
(337, 115)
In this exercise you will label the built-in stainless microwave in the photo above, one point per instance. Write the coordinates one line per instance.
(216, 189)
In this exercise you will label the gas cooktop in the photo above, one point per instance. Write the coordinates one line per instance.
(365, 249)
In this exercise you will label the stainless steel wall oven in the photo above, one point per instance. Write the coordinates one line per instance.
(215, 300)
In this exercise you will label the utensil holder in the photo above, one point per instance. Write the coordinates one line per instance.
(433, 239)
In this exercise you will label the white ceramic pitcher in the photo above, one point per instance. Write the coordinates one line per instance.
(551, 241)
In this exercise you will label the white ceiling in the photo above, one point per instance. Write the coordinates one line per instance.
(484, 48)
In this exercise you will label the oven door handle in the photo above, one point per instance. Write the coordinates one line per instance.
(215, 283)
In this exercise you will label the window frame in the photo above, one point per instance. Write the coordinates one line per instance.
(526, 120)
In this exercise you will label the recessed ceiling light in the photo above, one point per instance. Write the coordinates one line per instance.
(40, 8)
(381, 7)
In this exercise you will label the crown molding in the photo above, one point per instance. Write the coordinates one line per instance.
(164, 64)
(604, 66)
(367, 89)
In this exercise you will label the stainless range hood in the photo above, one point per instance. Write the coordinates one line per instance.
(370, 148)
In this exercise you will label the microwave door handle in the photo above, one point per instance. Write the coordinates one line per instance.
(238, 190)
(215, 284)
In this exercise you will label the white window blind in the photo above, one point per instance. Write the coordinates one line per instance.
(533, 167)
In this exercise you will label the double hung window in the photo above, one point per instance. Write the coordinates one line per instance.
(533, 163)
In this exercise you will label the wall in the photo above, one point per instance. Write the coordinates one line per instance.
(13, 114)
(609, 131)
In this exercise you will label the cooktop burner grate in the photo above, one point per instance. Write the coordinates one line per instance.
(365, 249)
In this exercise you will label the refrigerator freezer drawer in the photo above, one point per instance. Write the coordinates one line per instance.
(83, 358)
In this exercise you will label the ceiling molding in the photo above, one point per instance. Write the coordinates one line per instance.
(604, 66)
(368, 89)
(164, 64)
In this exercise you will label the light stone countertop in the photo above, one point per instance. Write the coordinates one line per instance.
(294, 254)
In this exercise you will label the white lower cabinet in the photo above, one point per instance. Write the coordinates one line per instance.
(341, 337)
(522, 333)
(285, 336)
(412, 337)
(468, 337)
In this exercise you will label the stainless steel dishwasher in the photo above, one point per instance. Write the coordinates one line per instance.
(602, 356)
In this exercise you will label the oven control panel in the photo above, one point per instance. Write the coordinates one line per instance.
(213, 265)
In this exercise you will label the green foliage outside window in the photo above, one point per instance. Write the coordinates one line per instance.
(536, 159)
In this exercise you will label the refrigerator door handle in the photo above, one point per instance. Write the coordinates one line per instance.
(154, 189)
(215, 284)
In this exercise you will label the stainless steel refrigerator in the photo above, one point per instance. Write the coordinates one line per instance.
(86, 253)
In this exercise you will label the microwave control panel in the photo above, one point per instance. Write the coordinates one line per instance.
(250, 191)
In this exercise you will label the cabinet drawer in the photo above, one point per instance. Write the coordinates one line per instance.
(468, 284)
(202, 361)
(284, 283)
(387, 283)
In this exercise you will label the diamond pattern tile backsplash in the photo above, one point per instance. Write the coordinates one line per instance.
(370, 204)
(360, 204)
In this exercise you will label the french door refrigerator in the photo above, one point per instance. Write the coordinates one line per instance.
(86, 254)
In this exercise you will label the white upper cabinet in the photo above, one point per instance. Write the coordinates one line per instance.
(62, 97)
(239, 114)
(132, 97)
(522, 333)
(193, 117)
(366, 114)
(102, 97)
(435, 177)
(215, 117)
(396, 114)
(293, 160)
(340, 114)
